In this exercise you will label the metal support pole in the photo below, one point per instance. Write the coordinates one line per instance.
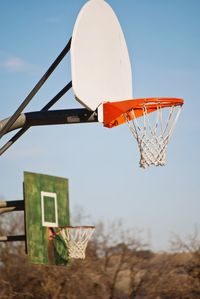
(21, 120)
(12, 238)
(15, 116)
(10, 206)
(59, 117)
(54, 117)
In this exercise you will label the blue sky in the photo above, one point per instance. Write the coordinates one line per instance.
(163, 38)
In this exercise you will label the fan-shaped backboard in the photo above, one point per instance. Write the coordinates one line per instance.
(100, 65)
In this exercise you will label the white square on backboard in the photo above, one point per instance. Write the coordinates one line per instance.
(44, 197)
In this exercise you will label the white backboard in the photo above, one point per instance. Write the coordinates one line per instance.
(100, 65)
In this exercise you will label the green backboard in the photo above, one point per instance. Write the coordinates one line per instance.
(46, 206)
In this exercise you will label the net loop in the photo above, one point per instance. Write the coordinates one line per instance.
(153, 132)
(76, 239)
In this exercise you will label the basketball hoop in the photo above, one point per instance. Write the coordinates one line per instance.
(76, 239)
(151, 133)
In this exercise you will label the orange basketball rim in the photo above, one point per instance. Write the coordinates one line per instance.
(113, 112)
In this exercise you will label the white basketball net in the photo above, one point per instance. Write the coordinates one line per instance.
(76, 239)
(153, 135)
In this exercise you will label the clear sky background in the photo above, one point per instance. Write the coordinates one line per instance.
(102, 164)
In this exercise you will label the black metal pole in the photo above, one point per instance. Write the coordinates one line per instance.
(18, 205)
(26, 127)
(53, 117)
(59, 117)
(10, 206)
(57, 97)
(12, 238)
(14, 117)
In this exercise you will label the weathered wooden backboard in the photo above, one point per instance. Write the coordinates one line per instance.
(46, 206)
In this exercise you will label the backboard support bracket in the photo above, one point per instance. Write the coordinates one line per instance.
(12, 206)
(53, 117)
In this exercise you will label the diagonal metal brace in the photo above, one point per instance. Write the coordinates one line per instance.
(33, 92)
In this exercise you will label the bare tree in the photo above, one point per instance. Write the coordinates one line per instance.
(118, 265)
(190, 245)
(118, 247)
